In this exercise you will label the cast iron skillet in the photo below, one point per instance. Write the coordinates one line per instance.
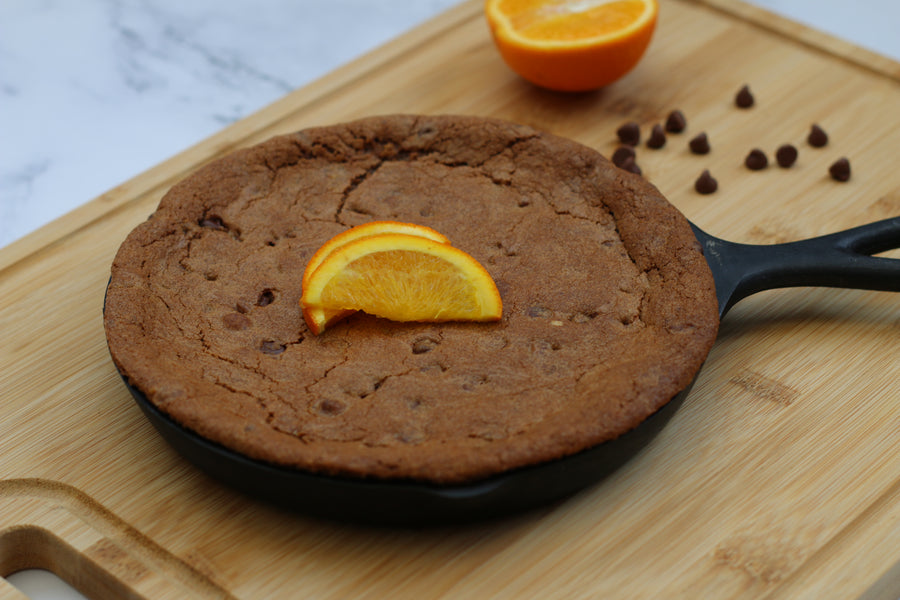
(842, 259)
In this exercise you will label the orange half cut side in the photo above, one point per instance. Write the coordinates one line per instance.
(571, 45)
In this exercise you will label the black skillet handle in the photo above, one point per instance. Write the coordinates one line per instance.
(842, 259)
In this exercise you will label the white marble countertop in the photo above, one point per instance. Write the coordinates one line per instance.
(94, 92)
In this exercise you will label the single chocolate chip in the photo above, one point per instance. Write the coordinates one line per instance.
(786, 155)
(331, 407)
(676, 122)
(756, 160)
(273, 348)
(266, 297)
(629, 134)
(657, 137)
(706, 184)
(212, 222)
(423, 345)
(538, 312)
(621, 154)
(817, 137)
(744, 99)
(236, 321)
(631, 166)
(699, 144)
(840, 170)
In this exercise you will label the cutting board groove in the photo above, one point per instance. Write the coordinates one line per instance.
(778, 478)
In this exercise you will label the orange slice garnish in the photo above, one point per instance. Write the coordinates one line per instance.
(571, 45)
(318, 318)
(402, 277)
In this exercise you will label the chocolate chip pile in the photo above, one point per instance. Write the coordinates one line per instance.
(629, 134)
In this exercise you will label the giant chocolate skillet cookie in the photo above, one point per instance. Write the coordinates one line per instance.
(609, 305)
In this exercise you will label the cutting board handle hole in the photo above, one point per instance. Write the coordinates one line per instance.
(29, 547)
(40, 584)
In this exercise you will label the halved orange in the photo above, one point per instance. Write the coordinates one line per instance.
(572, 45)
(403, 277)
(318, 318)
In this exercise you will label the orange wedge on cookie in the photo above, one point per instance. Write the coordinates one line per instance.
(318, 318)
(571, 45)
(400, 276)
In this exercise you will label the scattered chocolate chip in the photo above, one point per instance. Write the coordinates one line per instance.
(266, 297)
(631, 166)
(706, 184)
(699, 144)
(629, 134)
(756, 160)
(273, 348)
(657, 137)
(744, 99)
(786, 155)
(676, 122)
(840, 170)
(817, 137)
(621, 154)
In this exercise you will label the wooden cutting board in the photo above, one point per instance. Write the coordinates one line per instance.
(779, 477)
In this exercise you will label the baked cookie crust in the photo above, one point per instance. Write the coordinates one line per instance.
(609, 305)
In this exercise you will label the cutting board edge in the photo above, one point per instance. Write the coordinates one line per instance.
(808, 36)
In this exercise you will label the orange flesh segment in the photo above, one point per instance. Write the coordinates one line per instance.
(366, 230)
(318, 318)
(572, 20)
(404, 278)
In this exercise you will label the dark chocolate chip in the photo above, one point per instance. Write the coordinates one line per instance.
(629, 134)
(622, 154)
(236, 321)
(212, 222)
(631, 166)
(744, 99)
(840, 170)
(817, 137)
(706, 184)
(786, 155)
(423, 345)
(331, 407)
(538, 312)
(266, 297)
(676, 122)
(657, 137)
(756, 160)
(699, 144)
(273, 348)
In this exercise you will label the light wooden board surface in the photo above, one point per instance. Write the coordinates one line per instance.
(778, 478)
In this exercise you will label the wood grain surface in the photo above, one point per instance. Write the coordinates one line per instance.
(778, 478)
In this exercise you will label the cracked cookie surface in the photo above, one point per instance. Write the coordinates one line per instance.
(609, 305)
